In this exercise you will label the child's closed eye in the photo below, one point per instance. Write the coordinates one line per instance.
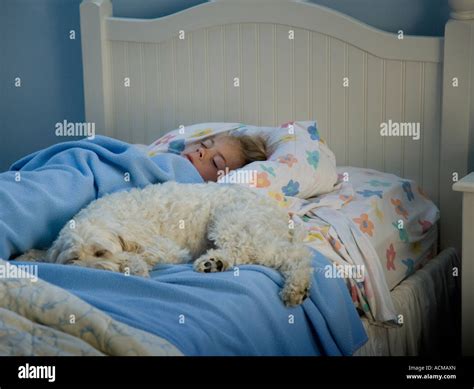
(219, 162)
(206, 143)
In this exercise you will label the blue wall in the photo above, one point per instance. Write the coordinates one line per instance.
(35, 45)
(415, 17)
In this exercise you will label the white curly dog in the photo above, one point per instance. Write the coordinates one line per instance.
(220, 226)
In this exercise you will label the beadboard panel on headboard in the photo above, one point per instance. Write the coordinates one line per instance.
(158, 86)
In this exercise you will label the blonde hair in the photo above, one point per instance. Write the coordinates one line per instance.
(253, 147)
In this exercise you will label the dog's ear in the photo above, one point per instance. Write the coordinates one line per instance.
(53, 253)
(130, 246)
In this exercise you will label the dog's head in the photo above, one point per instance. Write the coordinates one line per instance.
(86, 245)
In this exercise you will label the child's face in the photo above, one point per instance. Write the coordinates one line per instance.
(214, 154)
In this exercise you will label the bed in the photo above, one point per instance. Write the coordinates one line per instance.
(268, 63)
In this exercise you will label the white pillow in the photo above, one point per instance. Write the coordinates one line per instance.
(299, 162)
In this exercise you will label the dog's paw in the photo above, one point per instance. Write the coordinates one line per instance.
(135, 269)
(293, 295)
(210, 263)
(132, 264)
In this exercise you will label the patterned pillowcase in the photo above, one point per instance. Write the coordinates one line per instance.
(299, 162)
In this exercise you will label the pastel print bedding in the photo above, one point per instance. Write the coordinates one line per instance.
(398, 218)
(374, 219)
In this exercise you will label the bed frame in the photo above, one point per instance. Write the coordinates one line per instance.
(267, 62)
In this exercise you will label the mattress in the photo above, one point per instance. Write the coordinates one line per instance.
(429, 308)
(396, 215)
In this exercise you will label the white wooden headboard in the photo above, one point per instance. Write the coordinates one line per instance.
(268, 62)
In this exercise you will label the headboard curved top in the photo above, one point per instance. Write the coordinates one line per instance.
(267, 62)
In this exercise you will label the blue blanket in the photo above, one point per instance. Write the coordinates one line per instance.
(222, 313)
(44, 190)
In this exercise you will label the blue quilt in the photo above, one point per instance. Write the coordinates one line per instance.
(226, 313)
(44, 190)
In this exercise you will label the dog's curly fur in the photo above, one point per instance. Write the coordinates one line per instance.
(220, 226)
